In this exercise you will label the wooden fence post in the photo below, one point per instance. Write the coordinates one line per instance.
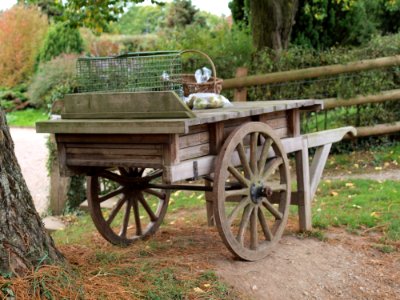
(241, 93)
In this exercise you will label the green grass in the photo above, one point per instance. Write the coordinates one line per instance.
(27, 117)
(360, 206)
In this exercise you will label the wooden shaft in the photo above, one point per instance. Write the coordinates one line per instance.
(391, 95)
(302, 74)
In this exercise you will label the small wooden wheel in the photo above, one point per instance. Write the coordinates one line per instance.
(138, 211)
(251, 191)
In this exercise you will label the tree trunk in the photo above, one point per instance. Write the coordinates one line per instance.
(24, 242)
(272, 22)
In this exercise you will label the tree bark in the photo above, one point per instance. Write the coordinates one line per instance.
(24, 242)
(272, 22)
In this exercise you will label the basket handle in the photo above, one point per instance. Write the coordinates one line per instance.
(209, 60)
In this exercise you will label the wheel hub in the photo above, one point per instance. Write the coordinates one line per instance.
(258, 191)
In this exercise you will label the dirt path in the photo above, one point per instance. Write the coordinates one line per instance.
(311, 269)
(31, 152)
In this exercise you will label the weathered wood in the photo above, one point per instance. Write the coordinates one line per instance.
(114, 162)
(147, 105)
(303, 187)
(209, 205)
(392, 95)
(379, 129)
(194, 139)
(113, 138)
(329, 136)
(171, 151)
(193, 152)
(317, 167)
(294, 122)
(113, 151)
(216, 137)
(241, 93)
(308, 73)
(170, 126)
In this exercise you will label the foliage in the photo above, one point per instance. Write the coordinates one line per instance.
(96, 15)
(228, 48)
(61, 38)
(240, 11)
(141, 20)
(326, 23)
(360, 205)
(14, 98)
(53, 80)
(21, 33)
(181, 13)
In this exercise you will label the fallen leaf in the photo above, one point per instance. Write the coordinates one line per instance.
(349, 184)
(198, 290)
(333, 193)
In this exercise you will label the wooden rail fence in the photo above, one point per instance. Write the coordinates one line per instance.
(241, 83)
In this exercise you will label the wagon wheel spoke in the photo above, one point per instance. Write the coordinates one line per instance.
(156, 193)
(234, 213)
(113, 177)
(125, 222)
(146, 206)
(153, 175)
(264, 226)
(234, 193)
(116, 210)
(253, 229)
(264, 155)
(271, 167)
(243, 160)
(137, 216)
(277, 214)
(239, 177)
(111, 194)
(253, 152)
(244, 222)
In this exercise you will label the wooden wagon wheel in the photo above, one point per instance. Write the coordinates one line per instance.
(251, 191)
(138, 211)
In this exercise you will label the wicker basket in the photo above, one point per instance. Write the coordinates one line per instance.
(190, 86)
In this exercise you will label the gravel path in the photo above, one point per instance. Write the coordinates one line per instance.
(31, 152)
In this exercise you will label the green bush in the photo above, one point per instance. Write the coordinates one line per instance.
(61, 39)
(53, 80)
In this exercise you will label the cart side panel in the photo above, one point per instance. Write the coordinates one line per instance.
(80, 152)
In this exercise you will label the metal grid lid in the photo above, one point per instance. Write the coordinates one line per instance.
(131, 72)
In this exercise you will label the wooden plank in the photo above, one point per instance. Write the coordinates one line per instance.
(116, 146)
(294, 122)
(194, 139)
(241, 93)
(157, 104)
(113, 138)
(209, 205)
(197, 129)
(184, 170)
(113, 162)
(303, 187)
(317, 167)
(113, 126)
(171, 150)
(195, 151)
(113, 151)
(328, 136)
(216, 137)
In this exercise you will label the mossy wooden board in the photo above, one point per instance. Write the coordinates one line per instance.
(141, 105)
(175, 125)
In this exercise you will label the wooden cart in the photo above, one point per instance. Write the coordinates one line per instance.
(241, 152)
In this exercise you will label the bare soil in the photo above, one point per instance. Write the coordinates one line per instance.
(344, 267)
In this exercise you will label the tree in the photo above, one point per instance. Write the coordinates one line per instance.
(181, 13)
(24, 242)
(272, 22)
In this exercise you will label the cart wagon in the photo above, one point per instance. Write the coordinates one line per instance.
(240, 152)
(137, 147)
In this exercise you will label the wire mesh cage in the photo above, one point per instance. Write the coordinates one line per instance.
(131, 72)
